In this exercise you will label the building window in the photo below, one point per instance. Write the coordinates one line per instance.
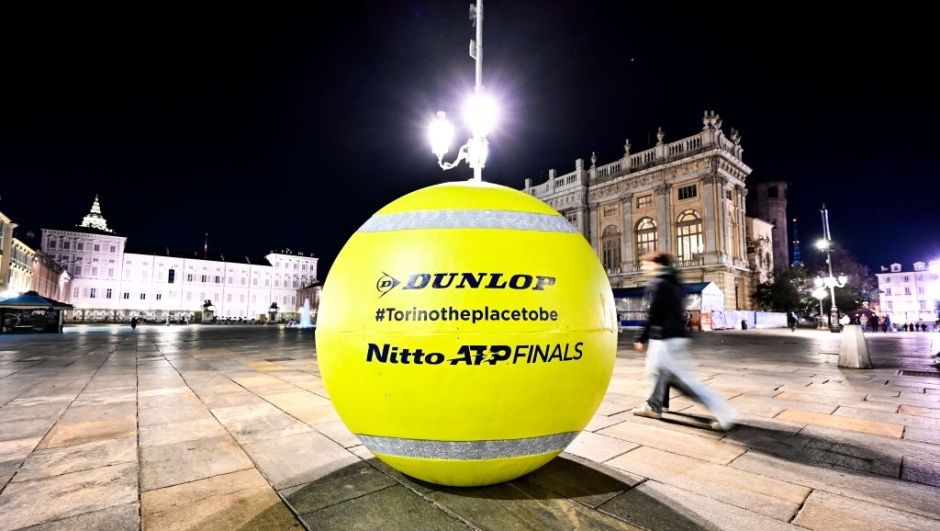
(78, 271)
(143, 296)
(94, 271)
(907, 290)
(189, 277)
(52, 244)
(189, 295)
(923, 305)
(906, 278)
(113, 249)
(229, 297)
(110, 272)
(218, 279)
(887, 280)
(97, 247)
(75, 293)
(644, 201)
(646, 237)
(610, 242)
(81, 246)
(107, 293)
(688, 235)
(66, 245)
(572, 217)
(888, 292)
(127, 295)
(728, 194)
(204, 277)
(610, 210)
(243, 281)
(159, 296)
(688, 192)
(171, 276)
(92, 293)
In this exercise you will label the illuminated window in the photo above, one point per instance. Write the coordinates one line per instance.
(646, 236)
(688, 235)
(644, 201)
(688, 192)
(610, 243)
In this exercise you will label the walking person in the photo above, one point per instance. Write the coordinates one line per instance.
(665, 339)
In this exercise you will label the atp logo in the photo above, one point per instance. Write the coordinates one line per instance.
(386, 283)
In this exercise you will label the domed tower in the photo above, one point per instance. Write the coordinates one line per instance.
(767, 200)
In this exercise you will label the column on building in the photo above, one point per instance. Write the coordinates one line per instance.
(627, 235)
(742, 229)
(710, 202)
(591, 233)
(665, 223)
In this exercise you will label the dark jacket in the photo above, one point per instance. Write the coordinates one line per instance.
(665, 318)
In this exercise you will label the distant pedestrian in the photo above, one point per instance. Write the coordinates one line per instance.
(863, 320)
(133, 323)
(873, 322)
(791, 321)
(664, 336)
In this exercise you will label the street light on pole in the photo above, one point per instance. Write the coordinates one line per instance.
(830, 282)
(480, 113)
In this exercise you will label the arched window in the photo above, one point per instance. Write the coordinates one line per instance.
(610, 243)
(646, 237)
(688, 235)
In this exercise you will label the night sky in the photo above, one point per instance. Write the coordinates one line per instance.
(286, 126)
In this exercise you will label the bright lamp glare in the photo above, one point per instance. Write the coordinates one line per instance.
(441, 134)
(822, 244)
(480, 113)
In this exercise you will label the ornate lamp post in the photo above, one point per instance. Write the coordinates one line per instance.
(820, 293)
(480, 113)
(830, 282)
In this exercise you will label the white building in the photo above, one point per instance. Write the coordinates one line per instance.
(110, 283)
(910, 296)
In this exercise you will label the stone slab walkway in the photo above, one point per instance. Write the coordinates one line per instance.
(230, 428)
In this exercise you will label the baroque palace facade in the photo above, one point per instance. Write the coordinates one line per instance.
(111, 284)
(686, 197)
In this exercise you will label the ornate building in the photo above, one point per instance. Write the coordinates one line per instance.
(910, 296)
(686, 197)
(109, 283)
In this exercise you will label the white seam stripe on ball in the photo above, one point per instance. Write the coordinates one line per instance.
(467, 450)
(468, 219)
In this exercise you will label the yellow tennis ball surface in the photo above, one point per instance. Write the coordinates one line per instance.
(466, 333)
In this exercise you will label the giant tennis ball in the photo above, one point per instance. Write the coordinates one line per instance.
(466, 334)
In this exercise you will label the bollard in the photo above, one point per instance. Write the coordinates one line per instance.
(853, 350)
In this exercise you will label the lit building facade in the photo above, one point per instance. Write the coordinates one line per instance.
(686, 197)
(110, 283)
(6, 255)
(50, 280)
(910, 295)
(760, 251)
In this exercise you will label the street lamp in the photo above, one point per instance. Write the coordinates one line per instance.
(820, 293)
(480, 113)
(830, 282)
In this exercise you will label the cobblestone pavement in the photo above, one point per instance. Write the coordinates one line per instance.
(229, 428)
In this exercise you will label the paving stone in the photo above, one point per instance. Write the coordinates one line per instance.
(80, 432)
(295, 399)
(240, 397)
(581, 480)
(598, 448)
(655, 506)
(100, 412)
(26, 428)
(160, 416)
(315, 415)
(180, 432)
(240, 500)
(7, 469)
(63, 460)
(896, 418)
(43, 500)
(249, 424)
(920, 411)
(172, 464)
(121, 518)
(922, 434)
(919, 470)
(521, 505)
(17, 449)
(845, 423)
(167, 397)
(762, 495)
(347, 483)
(12, 411)
(829, 512)
(893, 493)
(680, 443)
(772, 406)
(291, 460)
(337, 431)
(371, 512)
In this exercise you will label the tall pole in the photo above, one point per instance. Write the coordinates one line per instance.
(833, 311)
(478, 88)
